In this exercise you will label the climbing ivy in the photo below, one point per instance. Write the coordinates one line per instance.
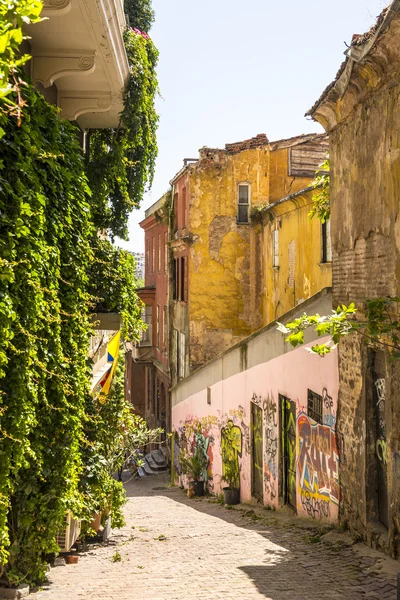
(321, 207)
(114, 431)
(113, 285)
(45, 229)
(140, 14)
(55, 270)
(121, 162)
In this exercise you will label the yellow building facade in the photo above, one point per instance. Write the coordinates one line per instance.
(232, 291)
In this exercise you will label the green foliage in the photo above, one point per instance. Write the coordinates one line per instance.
(112, 285)
(193, 465)
(112, 431)
(121, 161)
(321, 201)
(380, 326)
(56, 443)
(13, 15)
(140, 14)
(44, 332)
(231, 473)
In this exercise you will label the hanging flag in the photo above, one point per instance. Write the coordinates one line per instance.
(112, 359)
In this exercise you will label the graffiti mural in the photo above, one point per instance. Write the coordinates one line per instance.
(288, 448)
(317, 466)
(231, 448)
(191, 435)
(271, 447)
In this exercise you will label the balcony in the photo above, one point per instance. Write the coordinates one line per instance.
(79, 60)
(144, 350)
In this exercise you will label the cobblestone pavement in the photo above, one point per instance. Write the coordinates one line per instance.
(173, 548)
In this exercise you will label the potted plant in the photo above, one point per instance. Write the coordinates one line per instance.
(192, 465)
(232, 477)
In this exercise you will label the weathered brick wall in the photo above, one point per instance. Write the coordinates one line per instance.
(365, 196)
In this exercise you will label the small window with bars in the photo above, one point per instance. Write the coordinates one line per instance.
(243, 203)
(314, 406)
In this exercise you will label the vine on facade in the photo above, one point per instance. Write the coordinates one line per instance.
(54, 271)
(121, 162)
(321, 207)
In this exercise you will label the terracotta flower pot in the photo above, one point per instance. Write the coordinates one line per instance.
(96, 522)
(72, 559)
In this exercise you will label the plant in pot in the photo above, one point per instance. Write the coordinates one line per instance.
(192, 465)
(231, 476)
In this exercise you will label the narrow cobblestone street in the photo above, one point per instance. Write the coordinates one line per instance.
(173, 548)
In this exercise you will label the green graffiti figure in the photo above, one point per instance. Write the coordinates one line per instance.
(231, 449)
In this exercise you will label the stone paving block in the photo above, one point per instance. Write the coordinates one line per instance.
(214, 554)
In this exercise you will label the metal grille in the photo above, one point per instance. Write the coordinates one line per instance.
(314, 406)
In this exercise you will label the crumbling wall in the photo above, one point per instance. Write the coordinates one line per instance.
(365, 196)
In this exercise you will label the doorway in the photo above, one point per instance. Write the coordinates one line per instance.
(288, 450)
(257, 451)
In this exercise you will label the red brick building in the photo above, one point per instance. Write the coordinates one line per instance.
(149, 378)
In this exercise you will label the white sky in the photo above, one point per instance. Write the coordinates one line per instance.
(230, 69)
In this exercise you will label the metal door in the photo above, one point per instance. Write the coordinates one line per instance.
(288, 450)
(257, 451)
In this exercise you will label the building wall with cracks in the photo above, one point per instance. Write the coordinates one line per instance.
(360, 113)
(227, 292)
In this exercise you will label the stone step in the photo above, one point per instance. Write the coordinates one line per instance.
(164, 450)
(153, 465)
(159, 458)
(147, 470)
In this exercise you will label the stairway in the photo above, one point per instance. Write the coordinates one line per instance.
(154, 462)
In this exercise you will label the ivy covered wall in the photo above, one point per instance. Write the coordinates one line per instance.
(54, 271)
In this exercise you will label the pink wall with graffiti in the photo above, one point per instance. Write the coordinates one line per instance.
(284, 409)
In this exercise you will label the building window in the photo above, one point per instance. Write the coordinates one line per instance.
(182, 280)
(176, 202)
(314, 406)
(165, 328)
(326, 242)
(159, 252)
(166, 251)
(146, 334)
(275, 248)
(175, 279)
(148, 256)
(153, 255)
(182, 354)
(184, 207)
(158, 326)
(243, 203)
(175, 350)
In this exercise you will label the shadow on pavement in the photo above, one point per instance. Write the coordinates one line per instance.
(300, 566)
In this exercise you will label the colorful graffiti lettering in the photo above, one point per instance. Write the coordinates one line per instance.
(314, 507)
(317, 463)
(231, 448)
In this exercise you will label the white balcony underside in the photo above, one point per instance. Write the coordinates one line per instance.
(79, 50)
